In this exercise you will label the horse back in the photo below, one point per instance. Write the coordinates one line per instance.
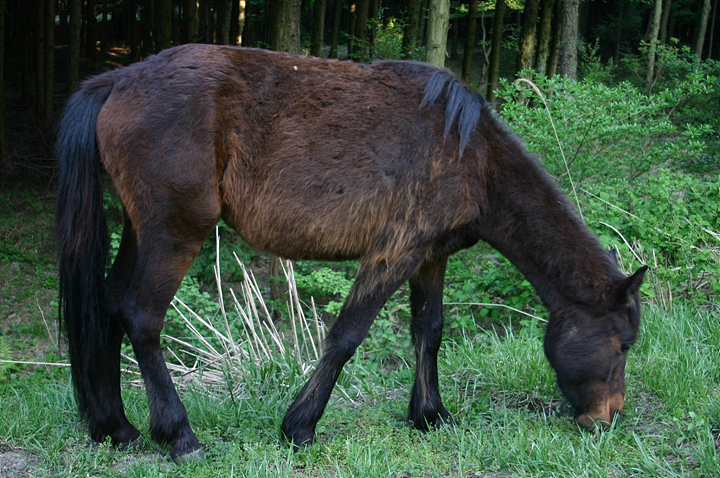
(306, 157)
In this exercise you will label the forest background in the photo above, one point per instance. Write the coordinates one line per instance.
(619, 99)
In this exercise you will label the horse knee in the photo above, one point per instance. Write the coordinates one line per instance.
(343, 347)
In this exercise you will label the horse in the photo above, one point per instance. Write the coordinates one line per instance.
(396, 164)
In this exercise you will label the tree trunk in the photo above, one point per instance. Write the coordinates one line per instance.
(27, 34)
(374, 18)
(438, 24)
(146, 27)
(134, 33)
(336, 29)
(454, 27)
(556, 39)
(318, 28)
(163, 24)
(664, 21)
(544, 36)
(286, 31)
(103, 31)
(191, 20)
(360, 48)
(423, 23)
(569, 39)
(223, 22)
(40, 61)
(73, 74)
(652, 40)
(410, 32)
(351, 29)
(470, 40)
(4, 164)
(238, 21)
(712, 31)
(495, 49)
(527, 39)
(702, 28)
(90, 49)
(49, 70)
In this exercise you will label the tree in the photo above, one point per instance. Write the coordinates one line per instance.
(75, 32)
(526, 51)
(4, 165)
(191, 20)
(89, 31)
(554, 57)
(544, 36)
(438, 23)
(318, 27)
(664, 20)
(652, 42)
(410, 31)
(224, 18)
(702, 28)
(359, 32)
(569, 38)
(712, 31)
(163, 24)
(496, 47)
(336, 29)
(284, 25)
(237, 24)
(470, 39)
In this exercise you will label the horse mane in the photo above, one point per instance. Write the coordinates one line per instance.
(461, 103)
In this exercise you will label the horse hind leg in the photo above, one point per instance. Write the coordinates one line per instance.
(426, 288)
(166, 250)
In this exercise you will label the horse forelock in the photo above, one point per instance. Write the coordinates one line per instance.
(461, 104)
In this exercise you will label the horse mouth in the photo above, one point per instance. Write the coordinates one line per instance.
(590, 422)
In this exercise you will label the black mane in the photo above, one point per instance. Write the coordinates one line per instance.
(462, 104)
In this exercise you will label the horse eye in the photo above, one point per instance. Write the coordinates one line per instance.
(625, 347)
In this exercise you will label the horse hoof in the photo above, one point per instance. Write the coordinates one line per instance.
(446, 422)
(131, 445)
(298, 441)
(191, 457)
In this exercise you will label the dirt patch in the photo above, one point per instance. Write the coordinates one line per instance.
(17, 462)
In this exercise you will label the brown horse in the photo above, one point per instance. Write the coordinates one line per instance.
(396, 164)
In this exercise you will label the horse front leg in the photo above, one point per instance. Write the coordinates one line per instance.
(426, 288)
(371, 290)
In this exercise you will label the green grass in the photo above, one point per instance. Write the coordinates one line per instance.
(512, 419)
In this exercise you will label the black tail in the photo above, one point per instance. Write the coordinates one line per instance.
(81, 232)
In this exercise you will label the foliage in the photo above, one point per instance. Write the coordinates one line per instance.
(387, 44)
(601, 125)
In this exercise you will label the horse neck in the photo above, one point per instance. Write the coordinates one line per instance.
(528, 219)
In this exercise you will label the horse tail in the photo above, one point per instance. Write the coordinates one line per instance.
(81, 234)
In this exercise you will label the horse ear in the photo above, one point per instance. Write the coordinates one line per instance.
(628, 287)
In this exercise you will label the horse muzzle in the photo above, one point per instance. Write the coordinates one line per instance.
(603, 414)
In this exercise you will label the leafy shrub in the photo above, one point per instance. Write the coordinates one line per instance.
(607, 133)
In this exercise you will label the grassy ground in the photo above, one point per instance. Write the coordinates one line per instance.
(512, 420)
